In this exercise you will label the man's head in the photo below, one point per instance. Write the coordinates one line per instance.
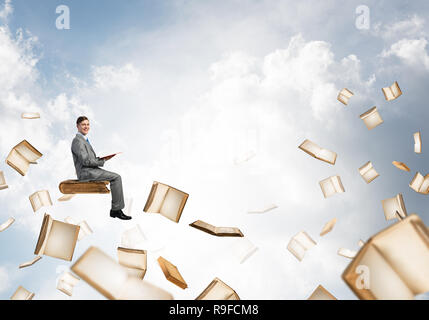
(82, 124)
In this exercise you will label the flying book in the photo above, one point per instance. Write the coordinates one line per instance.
(420, 184)
(393, 264)
(320, 293)
(243, 249)
(171, 273)
(111, 279)
(57, 239)
(371, 118)
(344, 96)
(6, 224)
(134, 260)
(84, 229)
(317, 152)
(21, 156)
(166, 200)
(392, 92)
(299, 244)
(328, 227)
(265, 209)
(346, 253)
(3, 184)
(218, 290)
(368, 172)
(30, 263)
(66, 197)
(110, 155)
(400, 165)
(393, 205)
(249, 155)
(22, 294)
(217, 231)
(40, 199)
(417, 142)
(30, 115)
(133, 238)
(67, 282)
(331, 186)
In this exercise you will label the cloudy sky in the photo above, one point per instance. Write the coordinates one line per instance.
(184, 88)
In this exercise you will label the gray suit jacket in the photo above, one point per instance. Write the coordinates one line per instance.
(84, 157)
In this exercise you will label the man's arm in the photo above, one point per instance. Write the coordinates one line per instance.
(87, 159)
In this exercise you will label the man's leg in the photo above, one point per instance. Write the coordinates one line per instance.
(98, 174)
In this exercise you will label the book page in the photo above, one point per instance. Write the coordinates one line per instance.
(368, 172)
(327, 156)
(406, 250)
(61, 240)
(158, 197)
(417, 142)
(45, 198)
(22, 294)
(243, 249)
(331, 186)
(35, 201)
(18, 161)
(84, 230)
(328, 227)
(228, 230)
(391, 205)
(101, 272)
(310, 147)
(171, 207)
(384, 282)
(346, 253)
(401, 166)
(27, 151)
(296, 249)
(66, 197)
(424, 188)
(30, 115)
(2, 178)
(417, 181)
(133, 238)
(132, 258)
(396, 91)
(204, 226)
(388, 94)
(30, 263)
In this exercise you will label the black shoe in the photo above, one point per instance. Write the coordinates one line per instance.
(119, 214)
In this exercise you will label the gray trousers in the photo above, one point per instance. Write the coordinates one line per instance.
(98, 174)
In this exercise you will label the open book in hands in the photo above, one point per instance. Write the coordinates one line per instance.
(110, 156)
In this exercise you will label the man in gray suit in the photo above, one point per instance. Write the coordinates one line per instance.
(87, 167)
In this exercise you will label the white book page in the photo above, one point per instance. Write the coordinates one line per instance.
(172, 203)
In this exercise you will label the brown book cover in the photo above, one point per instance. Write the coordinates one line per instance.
(171, 273)
(218, 290)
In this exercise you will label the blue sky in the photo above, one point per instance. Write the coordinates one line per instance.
(185, 87)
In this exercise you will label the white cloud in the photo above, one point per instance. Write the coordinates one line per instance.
(6, 11)
(4, 279)
(411, 27)
(411, 51)
(126, 78)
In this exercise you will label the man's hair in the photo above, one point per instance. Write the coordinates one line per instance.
(80, 119)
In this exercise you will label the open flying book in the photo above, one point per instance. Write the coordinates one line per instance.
(30, 115)
(218, 290)
(3, 184)
(22, 294)
(21, 156)
(400, 165)
(371, 118)
(30, 263)
(344, 96)
(264, 209)
(417, 142)
(320, 293)
(111, 279)
(166, 200)
(317, 152)
(394, 206)
(392, 92)
(347, 253)
(84, 229)
(328, 227)
(393, 264)
(57, 239)
(134, 260)
(40, 199)
(67, 282)
(171, 273)
(66, 197)
(6, 224)
(243, 249)
(299, 244)
(331, 186)
(368, 172)
(420, 184)
(217, 231)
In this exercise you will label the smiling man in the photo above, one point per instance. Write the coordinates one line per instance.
(88, 165)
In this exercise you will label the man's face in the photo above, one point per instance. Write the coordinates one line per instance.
(83, 127)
